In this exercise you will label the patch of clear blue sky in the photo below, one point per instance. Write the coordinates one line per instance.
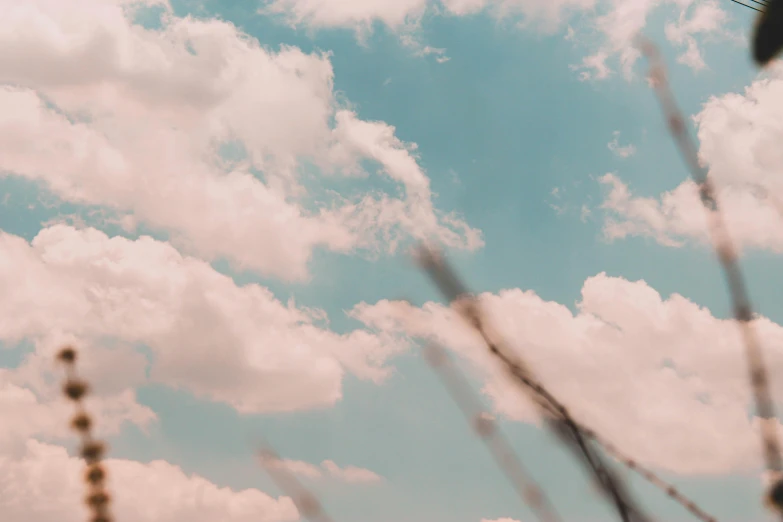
(513, 122)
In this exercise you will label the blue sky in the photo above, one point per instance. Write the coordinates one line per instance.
(510, 138)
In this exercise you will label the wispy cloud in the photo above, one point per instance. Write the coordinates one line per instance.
(621, 151)
(328, 469)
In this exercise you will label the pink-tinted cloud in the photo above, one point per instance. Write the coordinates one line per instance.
(738, 136)
(221, 341)
(44, 483)
(660, 377)
(327, 469)
(105, 112)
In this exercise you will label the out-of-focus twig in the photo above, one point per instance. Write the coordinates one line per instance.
(554, 413)
(504, 455)
(305, 500)
(456, 292)
(727, 255)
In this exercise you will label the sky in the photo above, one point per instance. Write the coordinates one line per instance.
(215, 201)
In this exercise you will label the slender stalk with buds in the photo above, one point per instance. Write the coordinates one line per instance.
(92, 450)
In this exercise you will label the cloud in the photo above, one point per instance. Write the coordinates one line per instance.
(45, 484)
(618, 150)
(196, 129)
(738, 136)
(328, 468)
(621, 21)
(676, 216)
(706, 18)
(355, 14)
(31, 400)
(235, 344)
(39, 481)
(34, 411)
(350, 474)
(610, 29)
(297, 467)
(405, 15)
(661, 378)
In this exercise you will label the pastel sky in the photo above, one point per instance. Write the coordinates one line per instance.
(215, 201)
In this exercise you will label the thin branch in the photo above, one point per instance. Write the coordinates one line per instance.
(305, 500)
(556, 416)
(743, 314)
(501, 450)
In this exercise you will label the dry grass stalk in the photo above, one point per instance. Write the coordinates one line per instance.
(727, 255)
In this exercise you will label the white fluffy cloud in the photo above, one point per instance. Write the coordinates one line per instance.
(204, 333)
(104, 112)
(45, 484)
(660, 377)
(239, 345)
(738, 140)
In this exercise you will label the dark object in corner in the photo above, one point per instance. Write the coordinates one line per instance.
(768, 35)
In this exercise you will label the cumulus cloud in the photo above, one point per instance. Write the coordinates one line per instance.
(34, 411)
(31, 400)
(660, 377)
(221, 341)
(44, 484)
(196, 129)
(327, 469)
(753, 220)
(738, 136)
